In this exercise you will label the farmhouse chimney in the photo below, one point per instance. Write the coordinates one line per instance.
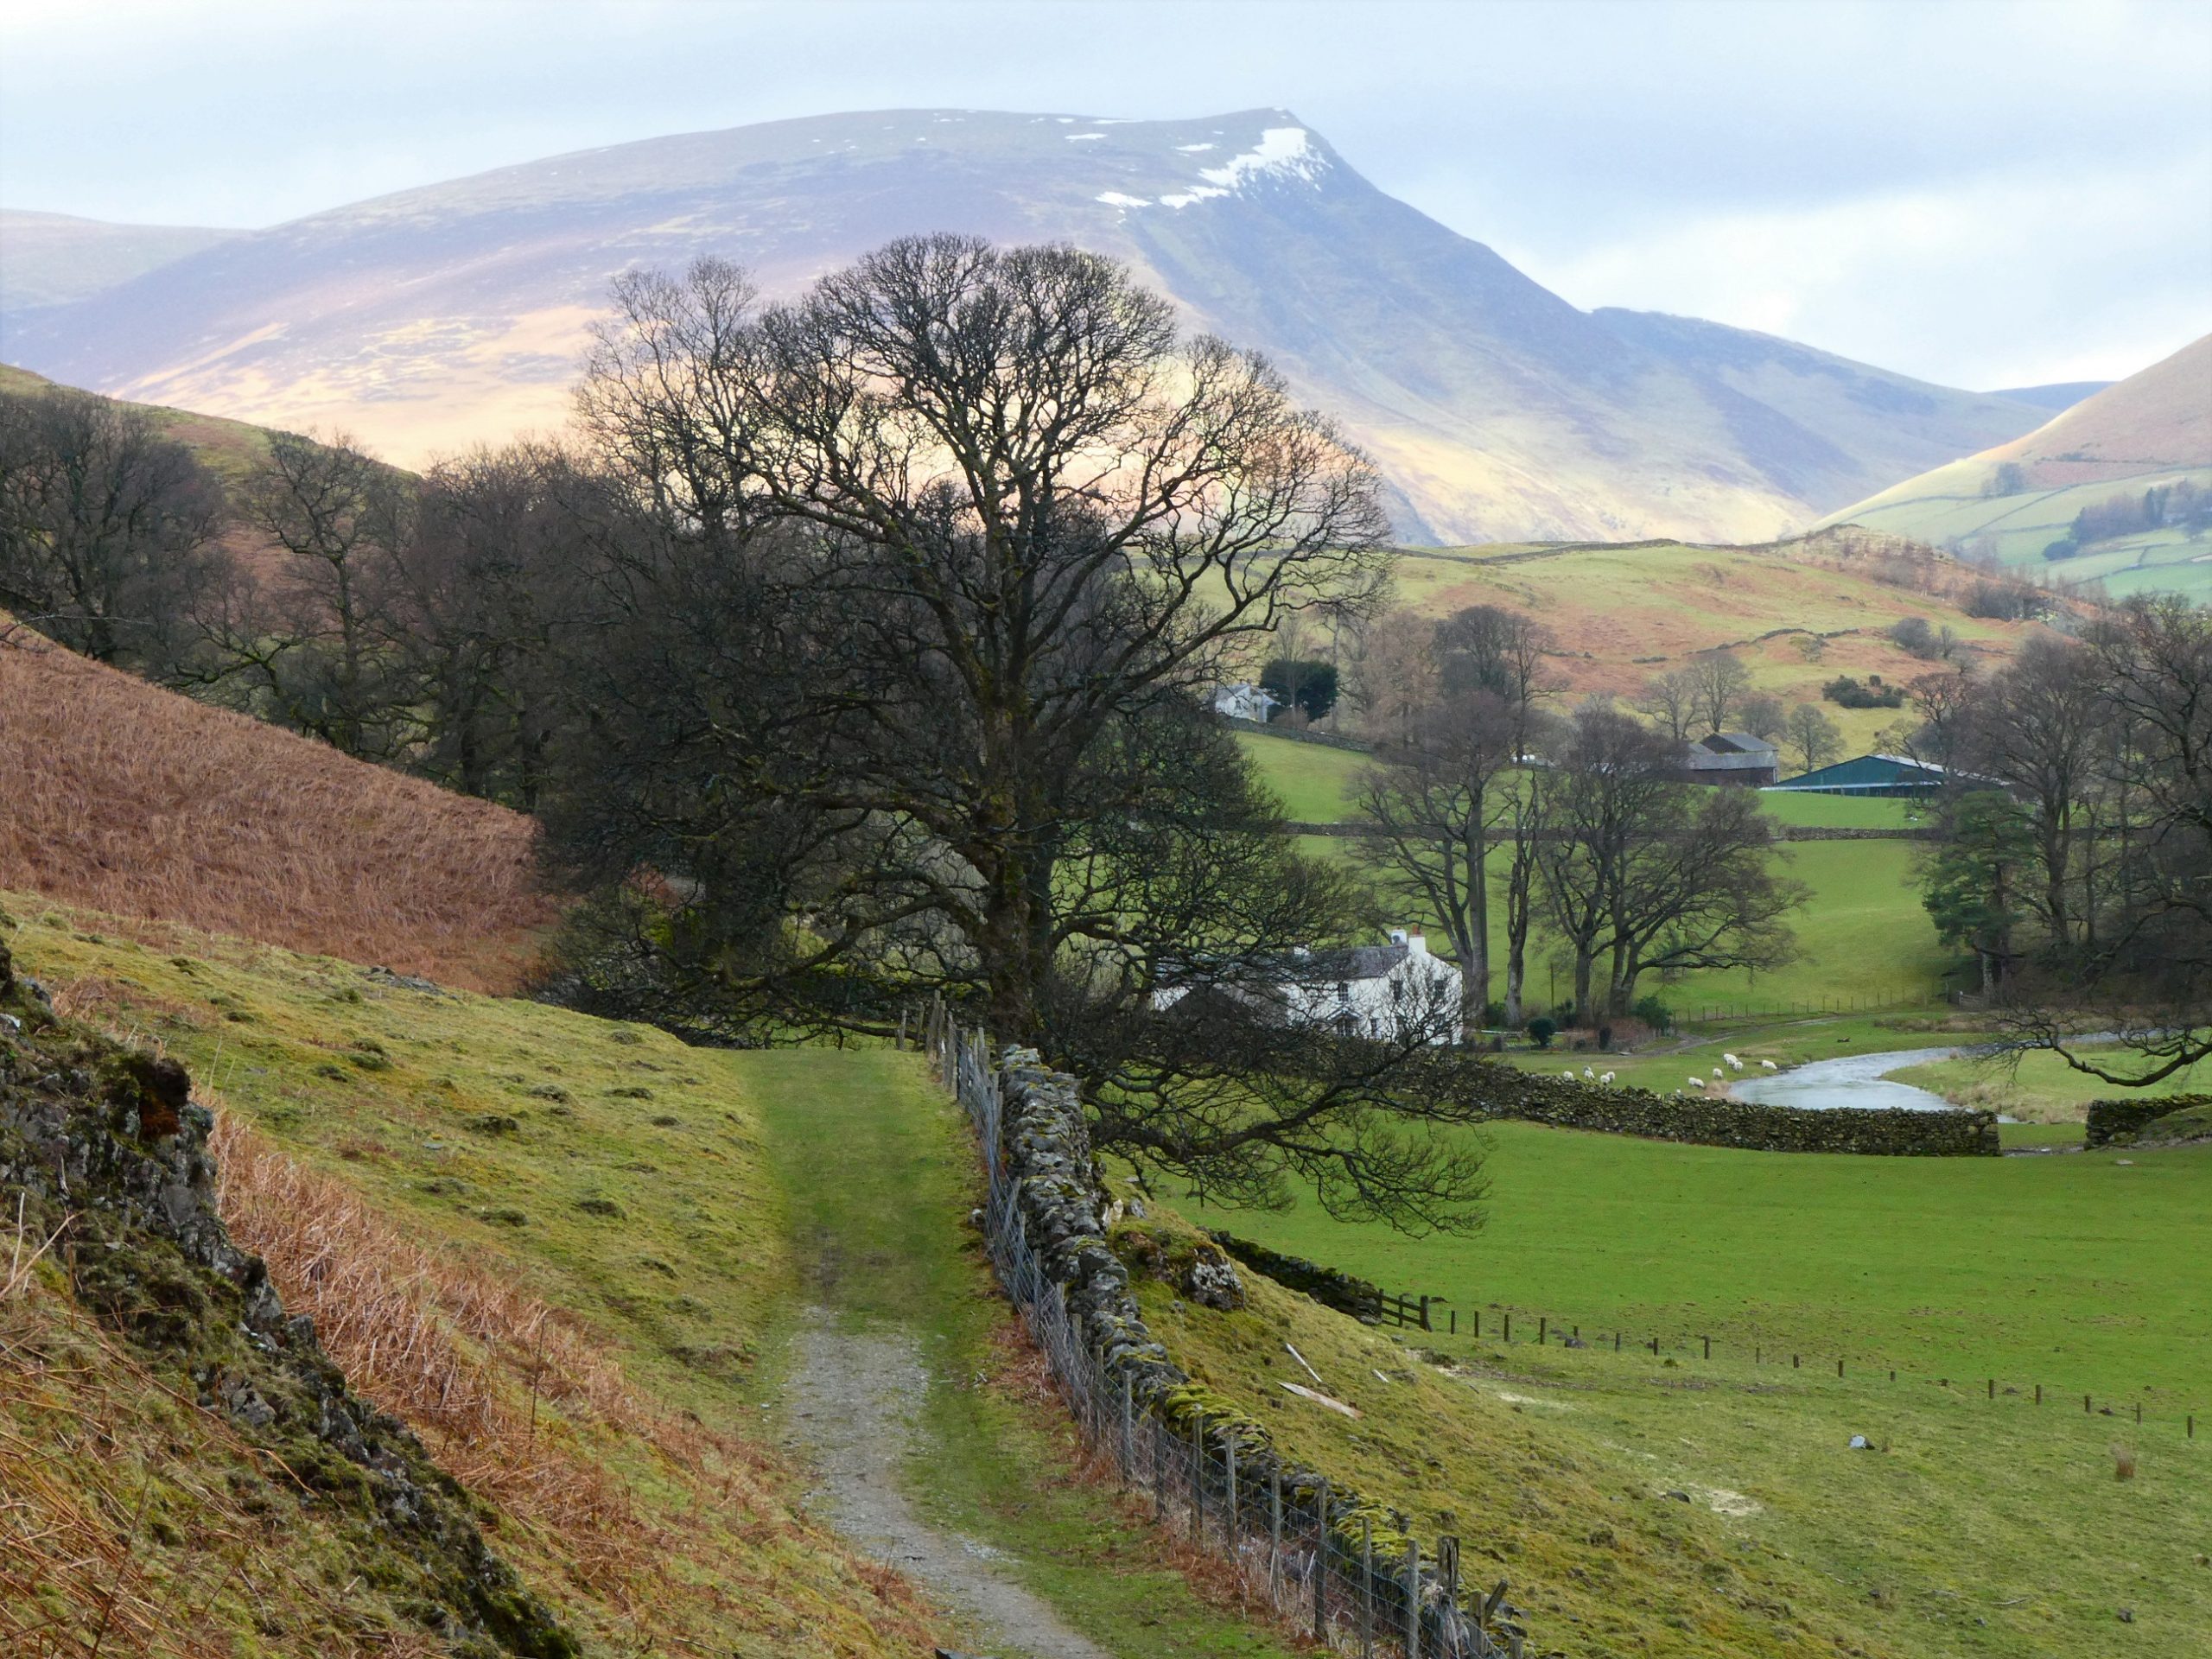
(1416, 942)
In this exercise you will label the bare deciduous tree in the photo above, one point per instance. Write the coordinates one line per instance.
(107, 528)
(1815, 738)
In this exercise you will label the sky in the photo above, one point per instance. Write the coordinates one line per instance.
(1981, 192)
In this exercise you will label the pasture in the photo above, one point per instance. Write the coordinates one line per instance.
(1864, 938)
(1669, 1504)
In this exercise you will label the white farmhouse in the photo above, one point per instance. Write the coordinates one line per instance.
(1366, 990)
(1373, 990)
(1243, 701)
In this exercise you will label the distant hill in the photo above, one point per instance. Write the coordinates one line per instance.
(456, 312)
(2013, 501)
(54, 258)
(135, 800)
(2062, 394)
(1797, 612)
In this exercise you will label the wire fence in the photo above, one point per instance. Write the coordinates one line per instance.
(1340, 1571)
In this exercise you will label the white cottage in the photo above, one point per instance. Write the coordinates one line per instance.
(1243, 701)
(1373, 989)
(1368, 990)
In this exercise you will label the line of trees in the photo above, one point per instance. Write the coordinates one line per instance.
(855, 652)
(2075, 862)
(1583, 819)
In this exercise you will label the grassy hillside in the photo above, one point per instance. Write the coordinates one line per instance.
(124, 796)
(1667, 1504)
(2152, 428)
(53, 258)
(228, 447)
(577, 1255)
(1797, 613)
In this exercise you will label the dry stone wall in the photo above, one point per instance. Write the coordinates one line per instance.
(2114, 1120)
(1503, 1091)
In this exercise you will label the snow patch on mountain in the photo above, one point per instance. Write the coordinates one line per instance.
(1283, 153)
(1115, 199)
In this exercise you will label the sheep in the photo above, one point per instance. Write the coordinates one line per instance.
(1697, 1083)
(1732, 1063)
(1568, 1074)
(1589, 1071)
(1606, 1078)
(1716, 1071)
(1769, 1066)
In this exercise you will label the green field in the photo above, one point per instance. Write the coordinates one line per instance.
(1864, 938)
(2065, 1271)
(2016, 529)
(1597, 1482)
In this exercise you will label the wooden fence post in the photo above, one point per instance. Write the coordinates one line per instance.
(1413, 1599)
(1321, 1563)
(1229, 1450)
(1198, 1478)
(1366, 1587)
(1128, 1429)
(1159, 1486)
(1275, 1528)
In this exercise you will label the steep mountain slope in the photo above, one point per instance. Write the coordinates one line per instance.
(454, 312)
(54, 258)
(2013, 501)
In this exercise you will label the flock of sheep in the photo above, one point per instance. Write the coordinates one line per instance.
(1591, 1074)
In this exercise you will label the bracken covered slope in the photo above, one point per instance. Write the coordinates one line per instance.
(121, 795)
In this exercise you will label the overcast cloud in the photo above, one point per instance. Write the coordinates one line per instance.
(1981, 192)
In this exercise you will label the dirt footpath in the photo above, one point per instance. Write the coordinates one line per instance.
(848, 1410)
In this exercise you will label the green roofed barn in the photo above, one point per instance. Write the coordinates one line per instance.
(1869, 774)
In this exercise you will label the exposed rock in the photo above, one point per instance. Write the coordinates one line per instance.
(112, 1139)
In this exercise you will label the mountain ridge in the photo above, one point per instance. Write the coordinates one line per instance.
(430, 318)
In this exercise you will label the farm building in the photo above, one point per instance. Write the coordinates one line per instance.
(1734, 758)
(1244, 701)
(1368, 990)
(1870, 774)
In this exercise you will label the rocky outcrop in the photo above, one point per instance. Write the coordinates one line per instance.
(107, 1145)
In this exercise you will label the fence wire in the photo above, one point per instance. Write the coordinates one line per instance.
(1296, 1548)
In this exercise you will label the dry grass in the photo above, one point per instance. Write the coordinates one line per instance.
(121, 796)
(521, 1405)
